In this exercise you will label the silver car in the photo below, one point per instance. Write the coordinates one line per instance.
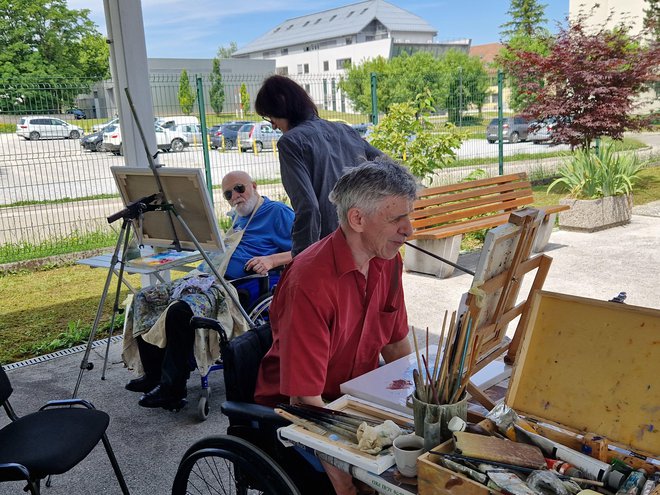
(37, 127)
(514, 129)
(258, 135)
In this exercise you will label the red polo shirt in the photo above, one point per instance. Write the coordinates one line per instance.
(329, 323)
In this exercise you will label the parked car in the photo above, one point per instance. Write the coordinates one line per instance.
(37, 127)
(191, 132)
(174, 120)
(514, 129)
(364, 129)
(100, 127)
(258, 135)
(92, 142)
(77, 113)
(542, 131)
(166, 139)
(228, 131)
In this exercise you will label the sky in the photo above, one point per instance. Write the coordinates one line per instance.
(197, 28)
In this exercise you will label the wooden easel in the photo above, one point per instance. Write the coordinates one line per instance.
(491, 301)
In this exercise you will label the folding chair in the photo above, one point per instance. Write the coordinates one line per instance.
(50, 441)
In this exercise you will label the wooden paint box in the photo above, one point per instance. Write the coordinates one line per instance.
(589, 368)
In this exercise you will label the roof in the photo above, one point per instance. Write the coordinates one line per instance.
(334, 23)
(486, 53)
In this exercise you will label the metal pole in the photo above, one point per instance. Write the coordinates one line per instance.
(374, 98)
(205, 137)
(460, 97)
(500, 122)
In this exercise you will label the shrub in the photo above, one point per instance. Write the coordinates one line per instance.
(589, 175)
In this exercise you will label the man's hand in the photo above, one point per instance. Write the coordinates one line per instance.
(260, 264)
(263, 264)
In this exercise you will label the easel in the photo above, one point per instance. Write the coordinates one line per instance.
(491, 301)
(134, 214)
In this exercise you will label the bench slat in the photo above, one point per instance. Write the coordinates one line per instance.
(465, 214)
(464, 205)
(549, 210)
(463, 227)
(500, 179)
(425, 201)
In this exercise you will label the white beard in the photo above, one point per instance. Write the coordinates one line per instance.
(246, 208)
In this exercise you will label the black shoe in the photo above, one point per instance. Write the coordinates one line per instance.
(143, 384)
(158, 398)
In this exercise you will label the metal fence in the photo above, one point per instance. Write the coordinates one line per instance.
(55, 195)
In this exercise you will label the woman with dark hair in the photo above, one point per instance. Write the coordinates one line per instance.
(313, 152)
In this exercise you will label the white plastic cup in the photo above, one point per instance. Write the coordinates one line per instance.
(407, 448)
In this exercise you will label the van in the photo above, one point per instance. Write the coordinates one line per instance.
(174, 120)
(37, 127)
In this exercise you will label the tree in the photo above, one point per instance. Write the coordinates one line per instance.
(590, 78)
(403, 78)
(652, 20)
(245, 98)
(48, 54)
(527, 18)
(467, 83)
(226, 51)
(217, 90)
(186, 95)
(411, 138)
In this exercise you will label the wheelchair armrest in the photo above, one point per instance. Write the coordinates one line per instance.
(67, 402)
(202, 322)
(252, 412)
(11, 471)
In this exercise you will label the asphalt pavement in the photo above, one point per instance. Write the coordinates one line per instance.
(149, 443)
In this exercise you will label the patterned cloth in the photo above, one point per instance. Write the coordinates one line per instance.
(205, 296)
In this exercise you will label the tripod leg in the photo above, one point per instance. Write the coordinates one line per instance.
(85, 364)
(115, 306)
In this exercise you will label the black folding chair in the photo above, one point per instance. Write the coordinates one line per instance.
(50, 441)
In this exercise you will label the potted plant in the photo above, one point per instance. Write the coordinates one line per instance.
(600, 186)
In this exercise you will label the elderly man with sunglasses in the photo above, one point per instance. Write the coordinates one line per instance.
(259, 240)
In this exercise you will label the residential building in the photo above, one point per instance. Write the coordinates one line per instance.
(326, 43)
(487, 54)
(609, 13)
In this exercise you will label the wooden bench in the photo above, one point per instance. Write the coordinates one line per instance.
(443, 214)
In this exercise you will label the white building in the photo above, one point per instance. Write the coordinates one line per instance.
(598, 11)
(323, 44)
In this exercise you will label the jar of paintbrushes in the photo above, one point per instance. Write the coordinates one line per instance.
(440, 383)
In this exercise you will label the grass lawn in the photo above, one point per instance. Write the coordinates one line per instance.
(54, 308)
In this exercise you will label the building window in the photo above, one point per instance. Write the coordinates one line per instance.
(349, 40)
(306, 68)
(282, 71)
(317, 20)
(306, 22)
(284, 51)
(276, 30)
(289, 27)
(307, 87)
(350, 13)
(343, 63)
(332, 18)
(364, 10)
(326, 65)
(300, 69)
(369, 38)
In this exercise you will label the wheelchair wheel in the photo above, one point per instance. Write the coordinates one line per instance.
(229, 465)
(259, 311)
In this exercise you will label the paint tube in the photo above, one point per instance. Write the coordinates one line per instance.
(563, 468)
(634, 482)
(651, 484)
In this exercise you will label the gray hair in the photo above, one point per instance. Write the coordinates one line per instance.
(366, 185)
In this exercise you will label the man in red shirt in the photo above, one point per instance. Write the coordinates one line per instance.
(339, 304)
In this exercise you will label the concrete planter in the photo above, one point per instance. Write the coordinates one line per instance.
(591, 215)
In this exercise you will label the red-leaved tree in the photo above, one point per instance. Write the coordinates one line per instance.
(591, 77)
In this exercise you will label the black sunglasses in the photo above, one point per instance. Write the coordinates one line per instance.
(239, 188)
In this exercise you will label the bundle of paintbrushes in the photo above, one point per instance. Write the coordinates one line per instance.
(445, 382)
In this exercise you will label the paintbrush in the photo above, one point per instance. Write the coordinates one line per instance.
(325, 421)
(351, 418)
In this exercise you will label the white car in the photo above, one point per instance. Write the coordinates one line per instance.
(100, 127)
(166, 139)
(35, 127)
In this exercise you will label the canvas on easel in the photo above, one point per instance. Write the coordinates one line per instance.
(186, 190)
(491, 301)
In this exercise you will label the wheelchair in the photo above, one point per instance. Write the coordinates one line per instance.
(218, 464)
(255, 293)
